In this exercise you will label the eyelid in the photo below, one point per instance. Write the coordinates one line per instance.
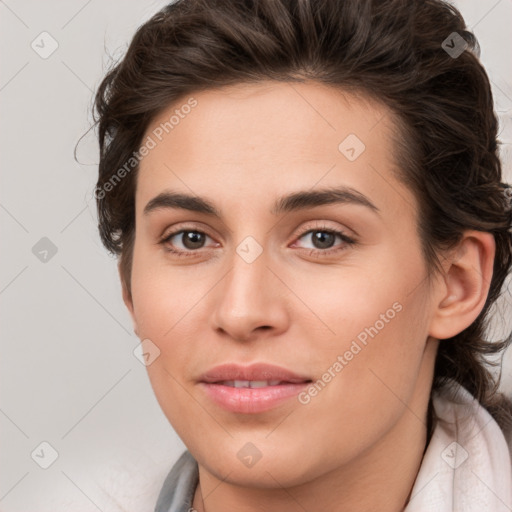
(184, 227)
(322, 225)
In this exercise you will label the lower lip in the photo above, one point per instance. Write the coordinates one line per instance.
(251, 400)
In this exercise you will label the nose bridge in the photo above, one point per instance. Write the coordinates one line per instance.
(248, 299)
(249, 275)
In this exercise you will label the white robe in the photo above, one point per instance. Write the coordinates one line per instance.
(467, 465)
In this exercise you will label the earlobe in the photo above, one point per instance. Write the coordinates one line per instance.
(464, 287)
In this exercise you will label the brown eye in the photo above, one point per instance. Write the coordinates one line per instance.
(323, 241)
(192, 239)
(184, 241)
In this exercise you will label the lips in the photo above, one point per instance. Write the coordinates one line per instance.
(251, 389)
(257, 372)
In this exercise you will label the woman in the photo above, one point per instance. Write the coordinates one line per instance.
(307, 203)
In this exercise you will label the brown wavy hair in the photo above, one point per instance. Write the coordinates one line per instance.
(391, 50)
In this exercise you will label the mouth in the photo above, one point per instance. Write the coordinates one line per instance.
(251, 389)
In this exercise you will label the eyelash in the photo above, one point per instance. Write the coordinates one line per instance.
(312, 252)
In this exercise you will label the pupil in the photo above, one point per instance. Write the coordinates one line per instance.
(192, 239)
(320, 237)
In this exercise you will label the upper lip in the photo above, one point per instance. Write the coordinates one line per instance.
(253, 372)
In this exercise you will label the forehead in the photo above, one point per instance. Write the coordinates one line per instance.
(255, 138)
(269, 113)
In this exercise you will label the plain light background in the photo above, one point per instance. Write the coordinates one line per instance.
(68, 373)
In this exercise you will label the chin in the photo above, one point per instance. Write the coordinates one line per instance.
(260, 464)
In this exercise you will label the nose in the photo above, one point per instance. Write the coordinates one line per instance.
(251, 300)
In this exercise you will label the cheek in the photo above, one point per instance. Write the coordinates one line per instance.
(379, 298)
(169, 304)
(161, 295)
(378, 327)
(367, 372)
(164, 307)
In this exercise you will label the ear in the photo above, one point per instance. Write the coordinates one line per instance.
(127, 299)
(464, 286)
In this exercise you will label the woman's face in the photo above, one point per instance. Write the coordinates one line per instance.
(331, 287)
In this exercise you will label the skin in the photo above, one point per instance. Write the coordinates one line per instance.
(358, 444)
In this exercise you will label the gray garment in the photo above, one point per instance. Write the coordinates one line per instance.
(179, 486)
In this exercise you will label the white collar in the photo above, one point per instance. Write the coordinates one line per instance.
(467, 465)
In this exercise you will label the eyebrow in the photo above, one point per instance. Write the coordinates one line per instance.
(295, 201)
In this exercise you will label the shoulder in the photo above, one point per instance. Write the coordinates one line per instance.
(461, 415)
(468, 464)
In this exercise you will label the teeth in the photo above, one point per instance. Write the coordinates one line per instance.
(250, 383)
(263, 383)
